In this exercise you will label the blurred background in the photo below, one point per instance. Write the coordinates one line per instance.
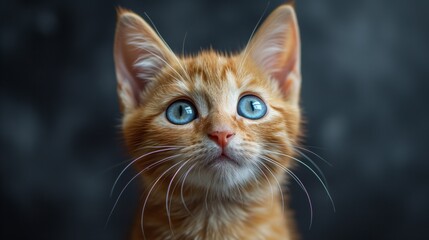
(365, 91)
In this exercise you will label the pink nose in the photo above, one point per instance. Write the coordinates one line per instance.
(221, 138)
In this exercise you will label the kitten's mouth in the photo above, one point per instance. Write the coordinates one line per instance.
(223, 159)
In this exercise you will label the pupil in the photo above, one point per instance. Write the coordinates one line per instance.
(251, 106)
(180, 110)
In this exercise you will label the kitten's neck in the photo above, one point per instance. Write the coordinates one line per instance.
(208, 218)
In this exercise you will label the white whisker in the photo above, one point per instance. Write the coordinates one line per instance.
(183, 44)
(167, 194)
(207, 194)
(181, 188)
(163, 146)
(162, 60)
(314, 164)
(315, 154)
(278, 185)
(246, 52)
(147, 197)
(309, 168)
(301, 184)
(240, 192)
(168, 46)
(297, 180)
(269, 183)
(132, 162)
(134, 177)
(296, 148)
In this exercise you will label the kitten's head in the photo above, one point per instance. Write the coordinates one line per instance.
(220, 121)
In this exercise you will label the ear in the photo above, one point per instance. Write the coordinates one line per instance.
(139, 56)
(276, 49)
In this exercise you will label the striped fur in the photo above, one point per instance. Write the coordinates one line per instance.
(224, 200)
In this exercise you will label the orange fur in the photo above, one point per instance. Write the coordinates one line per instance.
(221, 200)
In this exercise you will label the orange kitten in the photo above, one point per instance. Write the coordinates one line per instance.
(213, 135)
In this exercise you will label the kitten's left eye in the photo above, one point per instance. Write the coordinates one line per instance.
(251, 107)
(181, 112)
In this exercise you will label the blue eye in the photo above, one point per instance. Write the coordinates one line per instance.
(251, 107)
(181, 112)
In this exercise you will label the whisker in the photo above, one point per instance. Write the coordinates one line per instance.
(313, 146)
(297, 180)
(183, 54)
(165, 62)
(296, 148)
(168, 46)
(314, 164)
(315, 154)
(167, 209)
(245, 52)
(135, 41)
(205, 198)
(269, 183)
(163, 146)
(132, 162)
(309, 168)
(150, 191)
(112, 167)
(240, 192)
(174, 189)
(255, 178)
(181, 188)
(123, 162)
(278, 185)
(183, 44)
(134, 177)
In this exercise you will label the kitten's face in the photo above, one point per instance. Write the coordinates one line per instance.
(213, 87)
(221, 121)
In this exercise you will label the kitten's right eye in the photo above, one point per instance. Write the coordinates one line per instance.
(181, 112)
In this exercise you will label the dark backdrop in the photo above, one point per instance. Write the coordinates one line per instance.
(365, 83)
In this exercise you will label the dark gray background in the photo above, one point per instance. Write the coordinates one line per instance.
(365, 82)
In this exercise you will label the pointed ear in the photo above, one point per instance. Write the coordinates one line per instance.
(276, 49)
(139, 55)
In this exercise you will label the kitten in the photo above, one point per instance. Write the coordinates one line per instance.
(213, 134)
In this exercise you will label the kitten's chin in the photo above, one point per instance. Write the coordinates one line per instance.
(223, 161)
(222, 174)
